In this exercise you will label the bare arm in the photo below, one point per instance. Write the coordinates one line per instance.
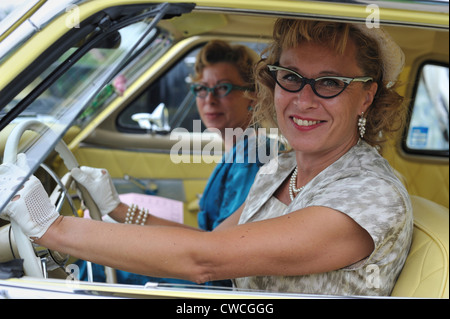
(232, 220)
(310, 240)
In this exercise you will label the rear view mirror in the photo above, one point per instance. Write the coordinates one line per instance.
(156, 122)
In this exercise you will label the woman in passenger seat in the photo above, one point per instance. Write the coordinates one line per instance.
(224, 89)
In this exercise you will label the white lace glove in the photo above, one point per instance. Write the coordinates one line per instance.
(99, 184)
(30, 208)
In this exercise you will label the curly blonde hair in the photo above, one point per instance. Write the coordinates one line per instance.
(217, 51)
(386, 114)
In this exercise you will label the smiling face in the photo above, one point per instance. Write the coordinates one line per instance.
(230, 111)
(314, 125)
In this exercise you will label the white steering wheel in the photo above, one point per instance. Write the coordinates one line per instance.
(32, 264)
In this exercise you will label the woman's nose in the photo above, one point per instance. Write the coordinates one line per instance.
(306, 97)
(210, 97)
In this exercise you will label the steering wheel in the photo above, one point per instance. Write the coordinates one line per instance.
(32, 264)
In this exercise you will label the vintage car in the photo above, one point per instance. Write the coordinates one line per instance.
(106, 84)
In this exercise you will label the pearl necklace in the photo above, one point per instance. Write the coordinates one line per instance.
(292, 183)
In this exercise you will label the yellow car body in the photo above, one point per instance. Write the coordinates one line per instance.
(421, 29)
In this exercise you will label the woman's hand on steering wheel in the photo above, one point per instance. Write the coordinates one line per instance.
(99, 184)
(31, 207)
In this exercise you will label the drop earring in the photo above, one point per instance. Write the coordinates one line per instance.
(362, 125)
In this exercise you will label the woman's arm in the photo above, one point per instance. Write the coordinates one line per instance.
(232, 220)
(311, 240)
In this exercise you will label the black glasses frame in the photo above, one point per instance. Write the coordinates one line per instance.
(312, 82)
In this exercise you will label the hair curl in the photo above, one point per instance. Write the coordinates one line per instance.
(387, 113)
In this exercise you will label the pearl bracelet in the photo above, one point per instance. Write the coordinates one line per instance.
(130, 214)
(140, 218)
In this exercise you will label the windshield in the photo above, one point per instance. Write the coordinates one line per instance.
(80, 92)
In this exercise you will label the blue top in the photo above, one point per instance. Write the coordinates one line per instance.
(228, 185)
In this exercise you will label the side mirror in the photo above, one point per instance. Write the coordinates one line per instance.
(157, 122)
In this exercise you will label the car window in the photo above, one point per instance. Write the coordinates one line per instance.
(428, 131)
(172, 89)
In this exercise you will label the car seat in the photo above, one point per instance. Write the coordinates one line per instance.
(426, 271)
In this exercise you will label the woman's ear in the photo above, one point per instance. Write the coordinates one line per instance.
(369, 96)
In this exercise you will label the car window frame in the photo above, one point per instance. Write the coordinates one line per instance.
(440, 155)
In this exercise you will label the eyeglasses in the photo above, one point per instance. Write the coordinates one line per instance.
(325, 87)
(219, 90)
